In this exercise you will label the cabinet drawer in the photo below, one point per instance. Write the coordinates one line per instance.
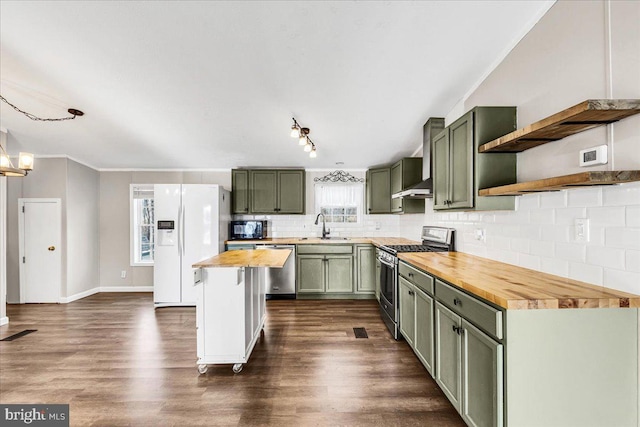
(417, 277)
(483, 315)
(325, 249)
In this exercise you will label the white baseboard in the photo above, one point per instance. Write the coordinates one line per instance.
(4, 320)
(126, 288)
(79, 295)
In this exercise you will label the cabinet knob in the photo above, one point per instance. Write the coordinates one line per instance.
(410, 274)
(369, 209)
(456, 301)
(411, 293)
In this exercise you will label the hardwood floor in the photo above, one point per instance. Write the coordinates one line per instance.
(116, 361)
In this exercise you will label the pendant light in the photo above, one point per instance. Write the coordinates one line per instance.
(302, 134)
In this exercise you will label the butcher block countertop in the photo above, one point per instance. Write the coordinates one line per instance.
(376, 241)
(274, 258)
(518, 288)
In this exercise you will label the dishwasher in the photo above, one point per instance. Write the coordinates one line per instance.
(281, 282)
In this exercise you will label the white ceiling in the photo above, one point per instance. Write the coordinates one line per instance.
(215, 84)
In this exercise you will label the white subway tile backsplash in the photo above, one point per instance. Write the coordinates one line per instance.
(502, 255)
(528, 201)
(531, 232)
(553, 199)
(529, 261)
(520, 245)
(542, 248)
(609, 216)
(555, 233)
(623, 237)
(554, 266)
(632, 261)
(585, 198)
(627, 281)
(571, 252)
(542, 216)
(498, 242)
(586, 273)
(568, 216)
(633, 216)
(606, 257)
(621, 195)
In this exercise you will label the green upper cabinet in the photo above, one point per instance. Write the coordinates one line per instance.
(379, 191)
(240, 191)
(290, 192)
(406, 173)
(268, 191)
(459, 171)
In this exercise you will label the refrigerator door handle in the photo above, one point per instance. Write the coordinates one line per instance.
(184, 249)
(179, 232)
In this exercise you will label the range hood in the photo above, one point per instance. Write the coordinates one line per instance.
(424, 189)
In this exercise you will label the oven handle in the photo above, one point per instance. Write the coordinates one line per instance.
(387, 263)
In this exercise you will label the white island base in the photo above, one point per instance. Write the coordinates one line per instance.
(230, 314)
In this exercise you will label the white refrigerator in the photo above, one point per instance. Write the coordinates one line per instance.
(192, 223)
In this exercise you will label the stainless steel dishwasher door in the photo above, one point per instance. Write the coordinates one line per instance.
(281, 282)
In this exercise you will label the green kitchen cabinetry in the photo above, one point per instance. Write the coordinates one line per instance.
(268, 191)
(379, 191)
(406, 173)
(239, 191)
(366, 263)
(459, 171)
(448, 350)
(324, 270)
(407, 302)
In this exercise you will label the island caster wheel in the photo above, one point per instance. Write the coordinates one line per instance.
(262, 332)
(202, 368)
(237, 368)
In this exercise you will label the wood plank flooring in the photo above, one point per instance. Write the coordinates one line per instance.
(118, 362)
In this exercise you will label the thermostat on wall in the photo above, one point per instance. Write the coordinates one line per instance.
(594, 156)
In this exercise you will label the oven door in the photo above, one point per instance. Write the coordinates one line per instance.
(388, 289)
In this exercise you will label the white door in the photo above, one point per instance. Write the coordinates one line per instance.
(40, 252)
(166, 264)
(200, 231)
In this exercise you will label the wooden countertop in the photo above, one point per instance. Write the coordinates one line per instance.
(376, 241)
(515, 287)
(273, 258)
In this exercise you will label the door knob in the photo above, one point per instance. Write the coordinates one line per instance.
(52, 248)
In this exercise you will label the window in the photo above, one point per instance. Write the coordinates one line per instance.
(340, 203)
(142, 225)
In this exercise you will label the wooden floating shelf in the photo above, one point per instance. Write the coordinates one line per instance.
(584, 116)
(583, 179)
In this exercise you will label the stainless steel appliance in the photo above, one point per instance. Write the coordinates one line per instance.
(281, 282)
(434, 239)
(248, 230)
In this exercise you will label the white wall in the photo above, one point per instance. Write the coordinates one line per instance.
(83, 234)
(114, 220)
(563, 60)
(3, 240)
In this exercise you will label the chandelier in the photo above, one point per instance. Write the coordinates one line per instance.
(25, 164)
(302, 134)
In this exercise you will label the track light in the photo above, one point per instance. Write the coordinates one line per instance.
(302, 134)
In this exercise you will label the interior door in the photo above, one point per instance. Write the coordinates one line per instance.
(41, 255)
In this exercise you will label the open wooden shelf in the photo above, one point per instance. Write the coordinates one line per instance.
(584, 116)
(576, 180)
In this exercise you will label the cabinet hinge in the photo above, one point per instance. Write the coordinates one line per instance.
(22, 209)
(23, 260)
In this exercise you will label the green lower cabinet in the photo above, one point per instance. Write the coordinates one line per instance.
(482, 367)
(366, 262)
(407, 310)
(423, 343)
(319, 274)
(448, 350)
(310, 270)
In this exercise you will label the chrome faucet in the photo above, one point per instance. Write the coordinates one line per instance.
(325, 232)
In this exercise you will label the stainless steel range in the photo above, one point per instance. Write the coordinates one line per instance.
(434, 239)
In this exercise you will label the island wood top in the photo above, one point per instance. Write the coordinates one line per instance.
(273, 258)
(518, 288)
(376, 241)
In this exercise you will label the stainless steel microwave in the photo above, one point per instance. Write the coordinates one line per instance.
(248, 230)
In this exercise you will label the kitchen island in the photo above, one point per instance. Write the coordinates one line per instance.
(230, 304)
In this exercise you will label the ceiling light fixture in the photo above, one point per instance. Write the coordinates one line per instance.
(302, 134)
(73, 111)
(25, 164)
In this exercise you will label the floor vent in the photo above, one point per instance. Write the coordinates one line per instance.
(18, 335)
(360, 333)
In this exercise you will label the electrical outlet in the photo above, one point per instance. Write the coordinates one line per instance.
(581, 230)
(123, 274)
(480, 234)
(594, 156)
(378, 226)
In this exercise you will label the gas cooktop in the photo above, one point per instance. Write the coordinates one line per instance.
(396, 249)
